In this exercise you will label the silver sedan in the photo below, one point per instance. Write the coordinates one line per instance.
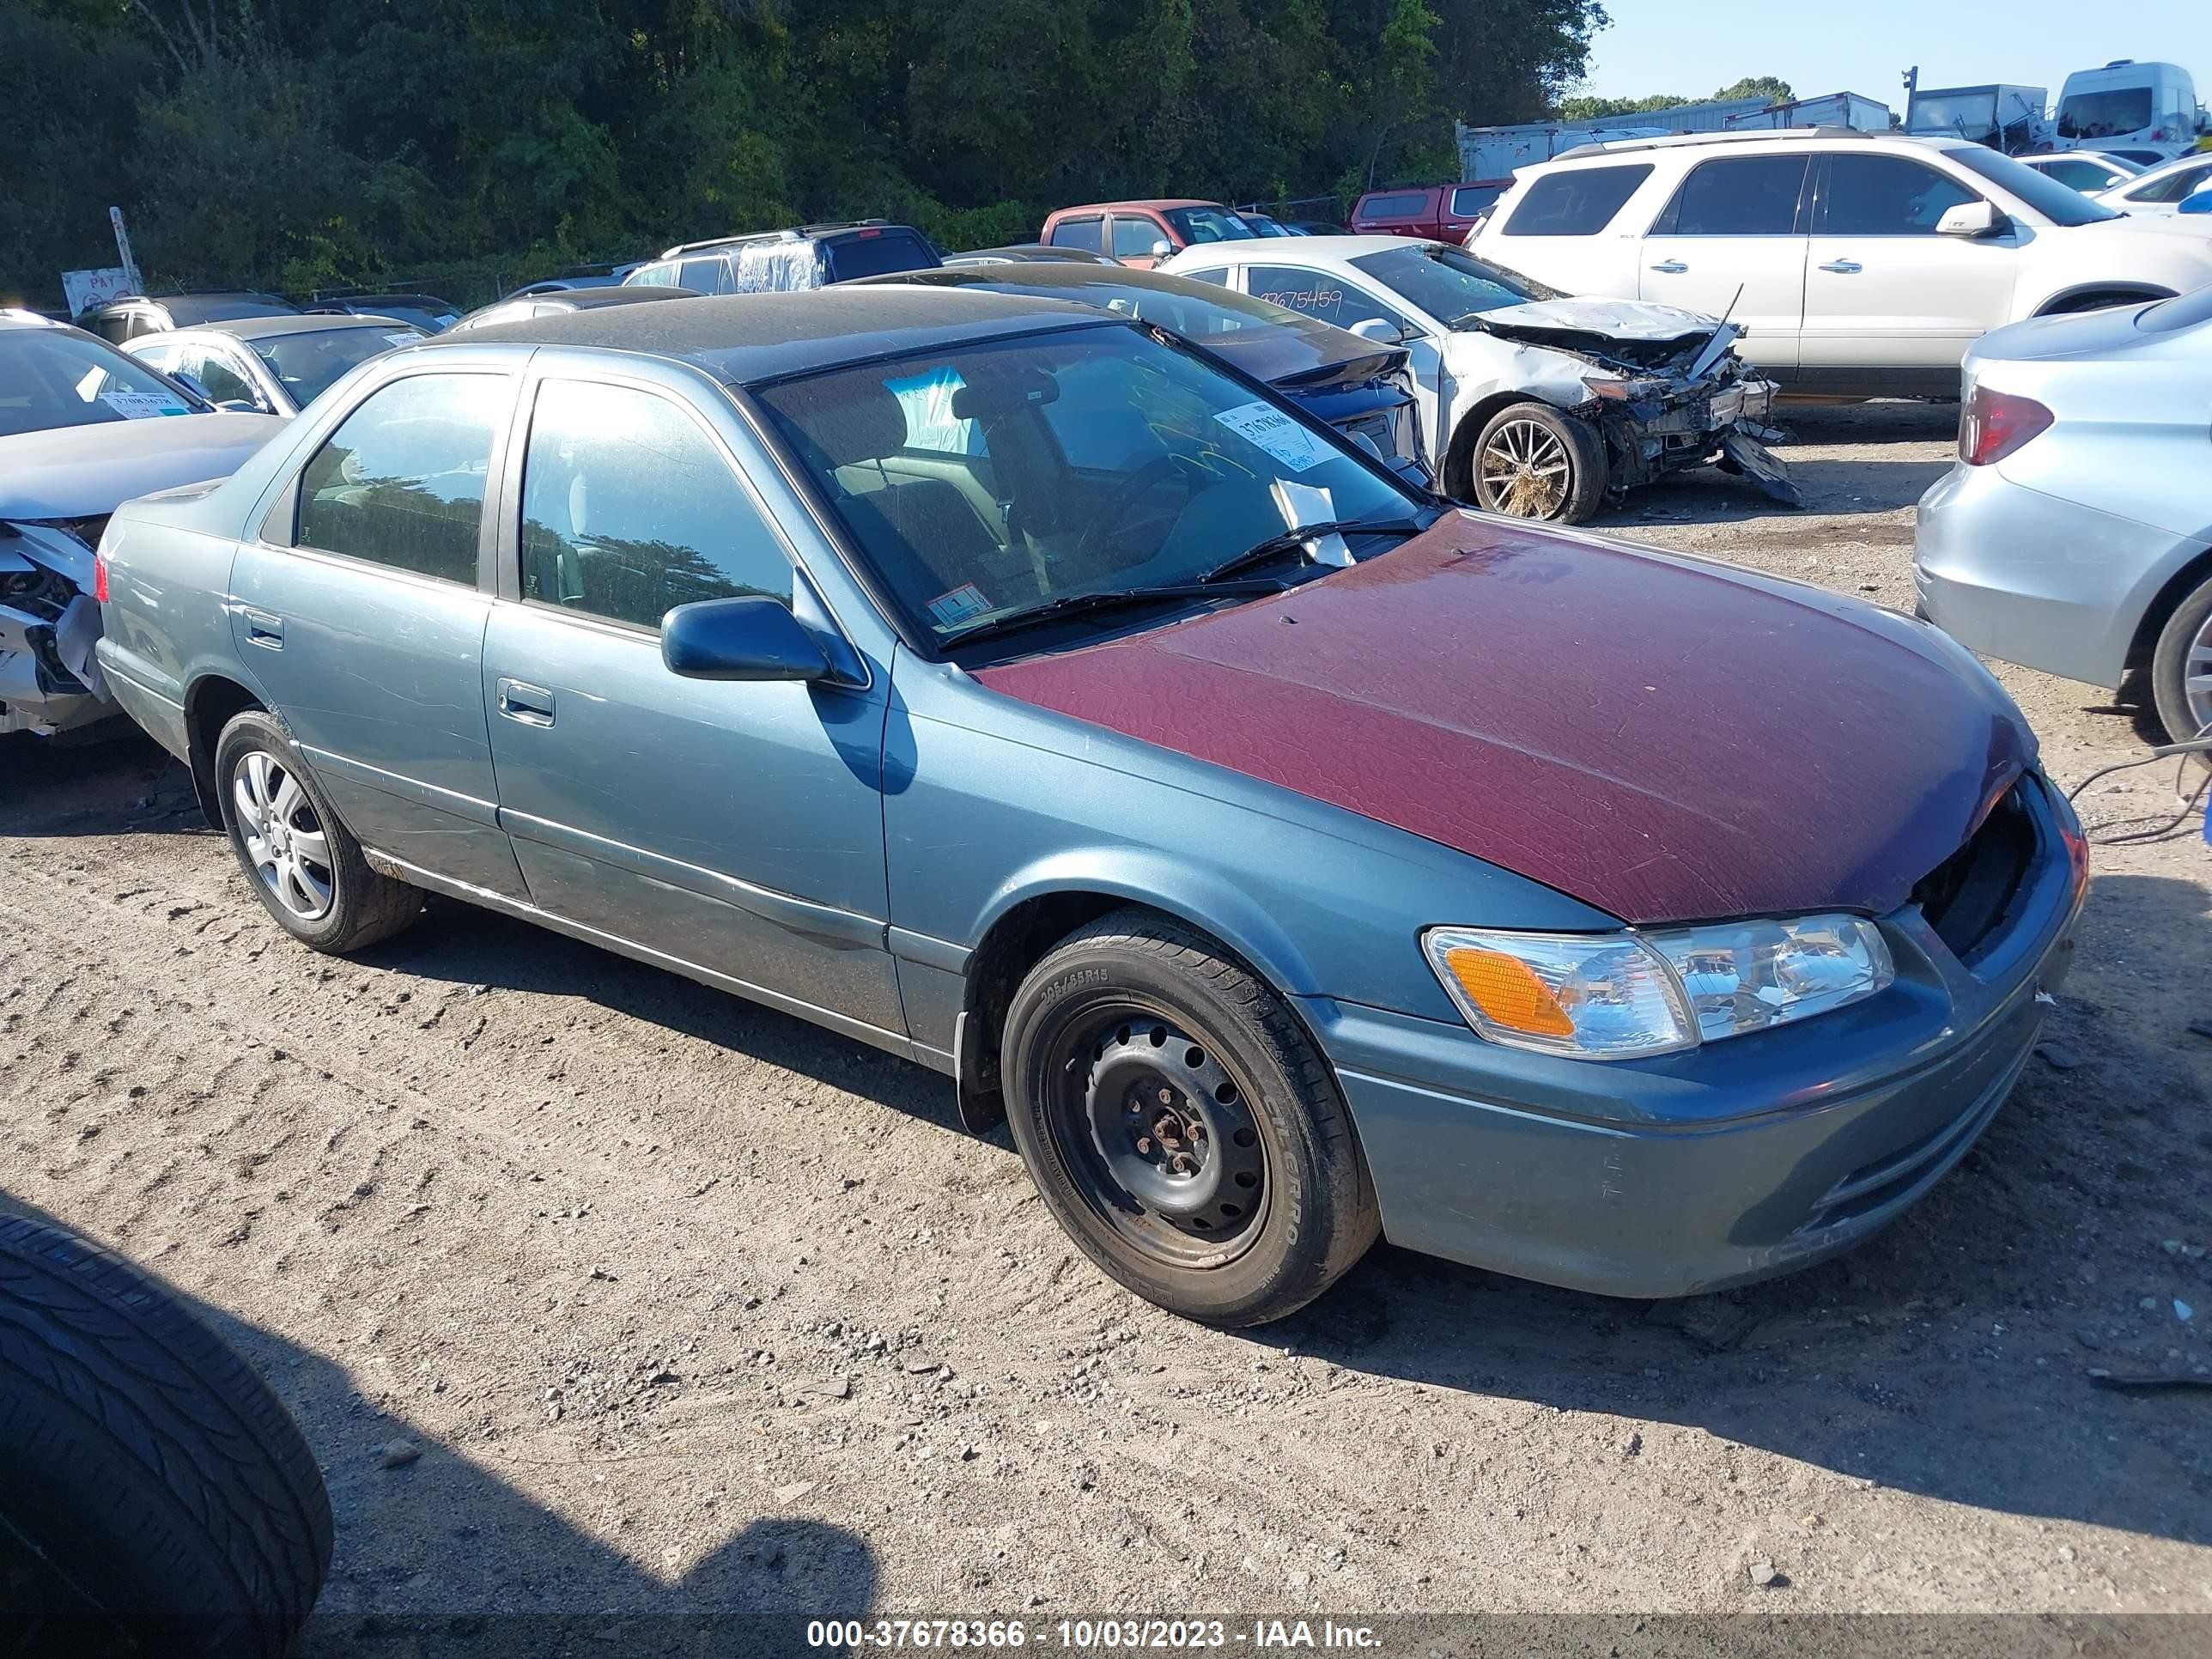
(2074, 534)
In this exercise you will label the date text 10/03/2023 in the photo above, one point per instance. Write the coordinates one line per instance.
(1082, 1634)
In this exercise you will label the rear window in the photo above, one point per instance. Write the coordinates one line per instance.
(1579, 202)
(1407, 204)
(878, 253)
(1081, 233)
(2105, 114)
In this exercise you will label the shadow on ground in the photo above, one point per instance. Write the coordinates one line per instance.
(486, 1573)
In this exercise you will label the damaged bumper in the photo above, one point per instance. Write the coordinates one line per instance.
(1696, 424)
(50, 679)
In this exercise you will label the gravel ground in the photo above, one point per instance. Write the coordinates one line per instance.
(685, 1305)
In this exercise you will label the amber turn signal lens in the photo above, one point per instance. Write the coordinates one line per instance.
(1509, 993)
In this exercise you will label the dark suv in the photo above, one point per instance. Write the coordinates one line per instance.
(812, 256)
(127, 319)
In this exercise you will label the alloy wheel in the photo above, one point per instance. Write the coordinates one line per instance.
(2197, 678)
(1525, 469)
(284, 840)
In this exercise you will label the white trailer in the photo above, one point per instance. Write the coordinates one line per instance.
(1487, 153)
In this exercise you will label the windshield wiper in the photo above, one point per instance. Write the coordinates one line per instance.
(1293, 540)
(1074, 605)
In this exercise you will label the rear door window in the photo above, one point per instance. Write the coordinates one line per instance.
(1081, 233)
(1736, 196)
(1886, 196)
(1405, 204)
(705, 276)
(629, 510)
(401, 481)
(1578, 202)
(1470, 199)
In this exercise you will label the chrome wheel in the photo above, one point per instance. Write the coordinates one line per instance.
(284, 840)
(1524, 470)
(2197, 680)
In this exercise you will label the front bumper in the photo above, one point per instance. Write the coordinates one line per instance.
(49, 626)
(1692, 426)
(1739, 1160)
(2033, 579)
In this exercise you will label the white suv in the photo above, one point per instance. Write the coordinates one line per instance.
(1859, 264)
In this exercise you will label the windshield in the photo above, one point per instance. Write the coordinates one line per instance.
(993, 479)
(308, 364)
(2108, 114)
(2057, 202)
(1208, 224)
(1450, 285)
(51, 378)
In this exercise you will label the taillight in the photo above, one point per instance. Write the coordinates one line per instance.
(1995, 423)
(99, 578)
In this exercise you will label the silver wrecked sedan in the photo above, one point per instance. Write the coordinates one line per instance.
(2074, 534)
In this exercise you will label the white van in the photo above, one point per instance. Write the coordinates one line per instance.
(2128, 103)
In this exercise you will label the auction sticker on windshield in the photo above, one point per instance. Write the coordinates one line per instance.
(956, 607)
(143, 405)
(1276, 432)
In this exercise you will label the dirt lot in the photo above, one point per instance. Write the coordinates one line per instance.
(686, 1304)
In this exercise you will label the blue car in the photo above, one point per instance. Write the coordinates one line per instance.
(1290, 858)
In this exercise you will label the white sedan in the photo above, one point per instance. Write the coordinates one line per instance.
(2086, 170)
(2160, 192)
(1532, 402)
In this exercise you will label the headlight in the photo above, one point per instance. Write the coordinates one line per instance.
(1626, 995)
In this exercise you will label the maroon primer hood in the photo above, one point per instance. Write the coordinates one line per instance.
(1667, 740)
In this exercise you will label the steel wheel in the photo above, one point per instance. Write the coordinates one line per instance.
(1159, 1139)
(2197, 681)
(284, 840)
(1525, 469)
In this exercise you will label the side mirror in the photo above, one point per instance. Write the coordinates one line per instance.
(1375, 328)
(1162, 249)
(751, 638)
(1969, 219)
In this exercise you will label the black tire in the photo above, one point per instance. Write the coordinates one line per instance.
(149, 1481)
(362, 906)
(1579, 445)
(2169, 667)
(1085, 1023)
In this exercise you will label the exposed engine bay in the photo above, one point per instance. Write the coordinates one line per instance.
(50, 680)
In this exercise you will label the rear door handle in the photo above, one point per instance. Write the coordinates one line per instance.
(1844, 267)
(530, 704)
(262, 628)
(1671, 267)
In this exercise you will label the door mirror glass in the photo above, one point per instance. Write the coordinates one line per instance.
(1968, 219)
(1162, 249)
(751, 638)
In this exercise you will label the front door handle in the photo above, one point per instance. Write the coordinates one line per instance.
(262, 628)
(1671, 267)
(530, 704)
(1844, 267)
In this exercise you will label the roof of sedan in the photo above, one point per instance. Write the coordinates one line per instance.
(744, 337)
(313, 322)
(1276, 249)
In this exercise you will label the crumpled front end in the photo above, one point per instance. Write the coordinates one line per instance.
(1666, 405)
(50, 680)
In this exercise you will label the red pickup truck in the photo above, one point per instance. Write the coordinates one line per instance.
(1141, 233)
(1441, 212)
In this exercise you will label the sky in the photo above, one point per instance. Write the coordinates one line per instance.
(1693, 46)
